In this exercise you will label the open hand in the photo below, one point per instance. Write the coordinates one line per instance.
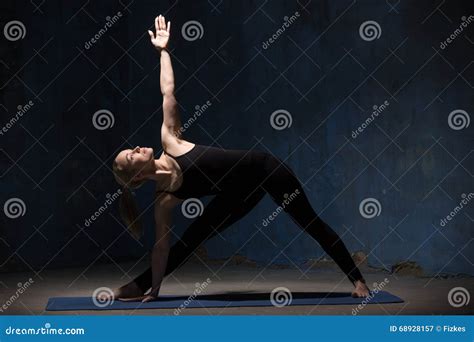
(162, 34)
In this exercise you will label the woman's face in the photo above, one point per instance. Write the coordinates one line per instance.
(136, 158)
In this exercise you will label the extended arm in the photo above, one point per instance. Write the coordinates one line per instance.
(161, 248)
(170, 130)
(171, 118)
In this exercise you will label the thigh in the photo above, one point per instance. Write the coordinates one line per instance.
(222, 211)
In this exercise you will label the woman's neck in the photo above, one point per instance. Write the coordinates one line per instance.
(164, 173)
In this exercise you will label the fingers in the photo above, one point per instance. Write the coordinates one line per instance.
(132, 299)
(163, 23)
(148, 299)
(104, 297)
(157, 24)
(160, 24)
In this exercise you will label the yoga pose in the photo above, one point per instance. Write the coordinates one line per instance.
(238, 178)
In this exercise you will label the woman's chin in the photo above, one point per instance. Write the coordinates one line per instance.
(150, 152)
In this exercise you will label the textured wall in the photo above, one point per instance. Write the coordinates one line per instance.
(320, 70)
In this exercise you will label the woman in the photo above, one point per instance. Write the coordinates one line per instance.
(238, 179)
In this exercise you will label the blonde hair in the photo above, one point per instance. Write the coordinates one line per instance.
(127, 204)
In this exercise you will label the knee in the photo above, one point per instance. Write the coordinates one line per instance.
(276, 165)
(264, 161)
(268, 159)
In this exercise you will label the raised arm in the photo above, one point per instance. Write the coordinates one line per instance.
(171, 119)
(170, 130)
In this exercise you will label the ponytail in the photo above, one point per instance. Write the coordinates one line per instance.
(127, 205)
(129, 212)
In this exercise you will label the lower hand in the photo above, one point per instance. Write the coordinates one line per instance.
(143, 299)
(361, 290)
(149, 298)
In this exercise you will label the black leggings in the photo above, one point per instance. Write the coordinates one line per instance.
(226, 208)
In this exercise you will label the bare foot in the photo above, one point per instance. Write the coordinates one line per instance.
(361, 289)
(129, 290)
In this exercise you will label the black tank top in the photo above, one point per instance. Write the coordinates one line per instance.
(209, 170)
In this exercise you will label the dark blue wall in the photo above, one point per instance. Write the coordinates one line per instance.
(319, 69)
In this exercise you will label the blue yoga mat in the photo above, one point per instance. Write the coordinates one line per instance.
(221, 300)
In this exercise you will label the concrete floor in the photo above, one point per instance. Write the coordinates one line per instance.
(425, 296)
